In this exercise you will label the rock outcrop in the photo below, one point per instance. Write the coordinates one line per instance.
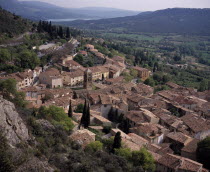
(11, 123)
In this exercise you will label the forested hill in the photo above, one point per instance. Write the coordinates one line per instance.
(176, 20)
(11, 24)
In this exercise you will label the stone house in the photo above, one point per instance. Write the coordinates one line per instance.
(114, 71)
(119, 59)
(111, 81)
(99, 120)
(96, 73)
(154, 133)
(134, 101)
(167, 119)
(143, 90)
(143, 73)
(83, 137)
(52, 78)
(72, 66)
(23, 79)
(177, 140)
(174, 163)
(189, 150)
(138, 139)
(141, 116)
(62, 102)
(75, 78)
(106, 104)
(198, 127)
(33, 95)
(99, 58)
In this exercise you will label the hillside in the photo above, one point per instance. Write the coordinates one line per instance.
(12, 24)
(39, 10)
(176, 20)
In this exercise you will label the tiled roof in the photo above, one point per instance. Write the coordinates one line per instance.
(52, 72)
(118, 58)
(140, 68)
(105, 99)
(195, 123)
(136, 116)
(191, 147)
(179, 163)
(138, 139)
(179, 137)
(129, 144)
(71, 63)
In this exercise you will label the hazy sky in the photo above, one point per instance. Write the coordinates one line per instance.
(140, 5)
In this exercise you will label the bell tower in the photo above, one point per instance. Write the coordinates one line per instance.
(88, 79)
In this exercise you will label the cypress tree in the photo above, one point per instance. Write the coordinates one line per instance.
(68, 32)
(87, 119)
(60, 31)
(82, 121)
(39, 27)
(70, 112)
(110, 114)
(116, 116)
(117, 142)
(50, 29)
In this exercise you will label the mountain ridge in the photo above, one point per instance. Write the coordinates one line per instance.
(172, 20)
(37, 10)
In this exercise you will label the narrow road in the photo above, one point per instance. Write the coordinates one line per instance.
(16, 41)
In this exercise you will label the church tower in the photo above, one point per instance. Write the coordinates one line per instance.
(88, 79)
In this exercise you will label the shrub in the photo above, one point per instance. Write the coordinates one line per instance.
(124, 152)
(143, 158)
(94, 146)
(57, 116)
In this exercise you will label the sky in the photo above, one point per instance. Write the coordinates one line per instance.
(137, 5)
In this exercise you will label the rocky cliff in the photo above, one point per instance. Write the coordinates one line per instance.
(16, 132)
(11, 123)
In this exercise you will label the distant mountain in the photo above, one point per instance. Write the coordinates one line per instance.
(40, 10)
(176, 20)
(11, 24)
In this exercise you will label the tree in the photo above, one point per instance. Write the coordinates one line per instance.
(27, 59)
(166, 78)
(39, 27)
(117, 142)
(115, 116)
(79, 59)
(149, 82)
(94, 146)
(68, 32)
(124, 152)
(79, 108)
(143, 158)
(203, 152)
(111, 114)
(57, 116)
(87, 118)
(4, 55)
(70, 112)
(9, 91)
(125, 125)
(155, 67)
(203, 85)
(60, 31)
